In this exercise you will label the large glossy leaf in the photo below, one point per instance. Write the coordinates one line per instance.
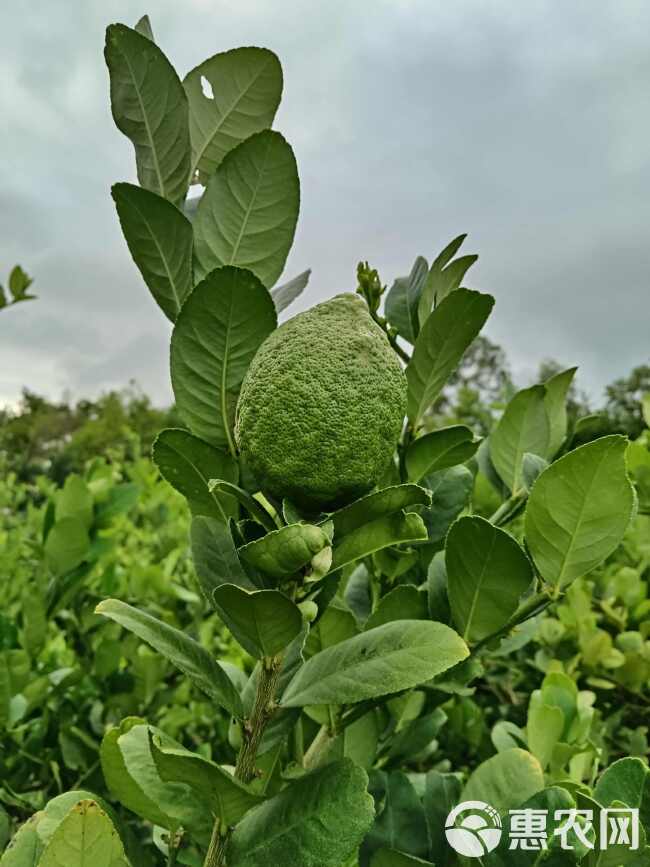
(557, 388)
(506, 780)
(188, 463)
(403, 298)
(181, 650)
(378, 534)
(523, 427)
(287, 293)
(439, 450)
(85, 838)
(433, 281)
(317, 821)
(227, 798)
(377, 505)
(393, 657)
(263, 622)
(217, 333)
(240, 98)
(283, 552)
(487, 573)
(248, 213)
(133, 779)
(440, 346)
(578, 510)
(150, 107)
(159, 238)
(215, 557)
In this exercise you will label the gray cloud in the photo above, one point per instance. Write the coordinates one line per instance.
(525, 125)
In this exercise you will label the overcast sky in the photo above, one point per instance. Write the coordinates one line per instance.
(526, 125)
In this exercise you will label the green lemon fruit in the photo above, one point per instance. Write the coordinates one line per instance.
(322, 406)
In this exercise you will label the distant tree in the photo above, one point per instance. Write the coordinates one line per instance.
(624, 401)
(477, 391)
(59, 437)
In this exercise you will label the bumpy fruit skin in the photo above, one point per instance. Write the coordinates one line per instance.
(322, 406)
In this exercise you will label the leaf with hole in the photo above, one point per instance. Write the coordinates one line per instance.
(231, 96)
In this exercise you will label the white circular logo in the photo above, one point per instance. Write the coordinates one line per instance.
(473, 829)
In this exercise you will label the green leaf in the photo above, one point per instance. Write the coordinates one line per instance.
(287, 293)
(252, 505)
(285, 551)
(378, 534)
(85, 837)
(440, 346)
(403, 298)
(150, 107)
(217, 333)
(578, 510)
(66, 546)
(19, 282)
(451, 490)
(241, 97)
(215, 557)
(532, 466)
(188, 463)
(317, 821)
(377, 505)
(159, 238)
(144, 27)
(393, 657)
(626, 780)
(248, 213)
(441, 794)
(264, 622)
(181, 650)
(506, 780)
(404, 602)
(132, 778)
(439, 450)
(523, 427)
(557, 388)
(227, 798)
(543, 731)
(75, 501)
(400, 821)
(487, 573)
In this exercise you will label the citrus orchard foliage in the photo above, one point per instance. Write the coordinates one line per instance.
(370, 616)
